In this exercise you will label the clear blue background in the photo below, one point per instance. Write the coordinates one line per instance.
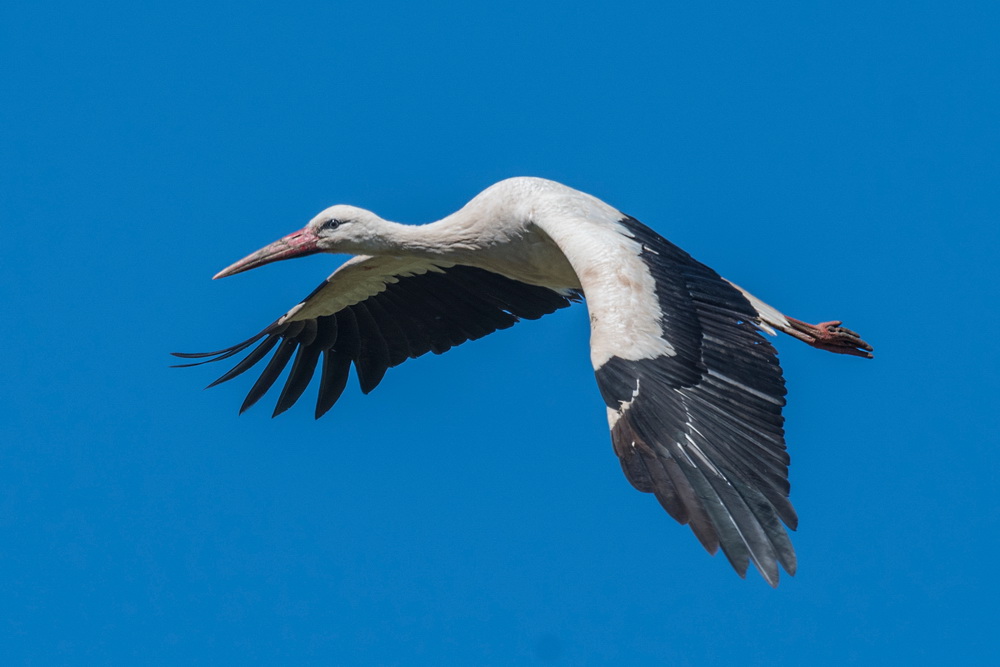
(841, 160)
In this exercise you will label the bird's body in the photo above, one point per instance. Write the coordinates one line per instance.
(693, 391)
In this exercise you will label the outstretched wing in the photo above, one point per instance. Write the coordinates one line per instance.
(698, 421)
(375, 313)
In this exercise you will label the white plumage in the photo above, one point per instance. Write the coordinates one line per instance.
(694, 392)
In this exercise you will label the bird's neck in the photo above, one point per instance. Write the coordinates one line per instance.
(444, 239)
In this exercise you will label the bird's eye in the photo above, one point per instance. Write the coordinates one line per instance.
(332, 224)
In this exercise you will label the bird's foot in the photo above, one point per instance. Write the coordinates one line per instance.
(830, 336)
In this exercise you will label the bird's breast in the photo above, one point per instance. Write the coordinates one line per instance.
(532, 258)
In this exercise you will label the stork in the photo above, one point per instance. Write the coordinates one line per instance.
(693, 390)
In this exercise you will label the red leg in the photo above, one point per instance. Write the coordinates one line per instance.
(830, 336)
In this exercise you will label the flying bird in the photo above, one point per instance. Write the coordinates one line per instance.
(693, 390)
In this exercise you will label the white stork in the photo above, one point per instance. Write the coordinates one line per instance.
(693, 391)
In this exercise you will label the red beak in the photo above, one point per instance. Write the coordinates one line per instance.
(296, 244)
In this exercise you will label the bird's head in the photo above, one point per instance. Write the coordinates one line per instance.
(338, 229)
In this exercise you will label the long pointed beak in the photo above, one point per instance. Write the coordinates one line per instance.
(296, 244)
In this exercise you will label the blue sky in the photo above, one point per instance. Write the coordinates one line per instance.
(840, 160)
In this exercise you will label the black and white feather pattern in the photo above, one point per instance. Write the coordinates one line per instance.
(694, 392)
(400, 310)
(702, 429)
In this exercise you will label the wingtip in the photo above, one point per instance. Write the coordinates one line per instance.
(773, 577)
(770, 573)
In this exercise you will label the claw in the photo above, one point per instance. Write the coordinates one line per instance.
(830, 336)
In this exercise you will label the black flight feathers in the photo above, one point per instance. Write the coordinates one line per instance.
(702, 429)
(428, 312)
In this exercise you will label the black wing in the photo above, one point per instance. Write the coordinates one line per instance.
(702, 429)
(376, 313)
